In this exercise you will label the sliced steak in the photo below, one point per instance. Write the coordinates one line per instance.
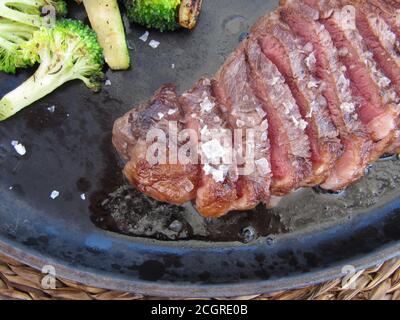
(388, 10)
(245, 114)
(378, 102)
(343, 108)
(289, 53)
(290, 146)
(217, 192)
(161, 180)
(325, 7)
(354, 38)
(381, 40)
(311, 96)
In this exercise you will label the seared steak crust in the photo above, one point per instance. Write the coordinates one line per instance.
(173, 183)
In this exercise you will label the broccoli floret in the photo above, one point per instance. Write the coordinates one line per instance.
(66, 52)
(158, 14)
(30, 12)
(12, 35)
(19, 19)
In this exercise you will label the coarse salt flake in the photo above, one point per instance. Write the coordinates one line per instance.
(303, 124)
(204, 131)
(347, 107)
(188, 186)
(384, 81)
(312, 84)
(273, 81)
(213, 149)
(240, 123)
(144, 36)
(154, 44)
(264, 136)
(54, 194)
(308, 47)
(217, 174)
(310, 61)
(207, 105)
(287, 107)
(263, 166)
(19, 148)
(264, 125)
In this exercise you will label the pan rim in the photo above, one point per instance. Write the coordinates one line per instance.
(91, 277)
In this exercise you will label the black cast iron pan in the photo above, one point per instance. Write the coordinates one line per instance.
(119, 239)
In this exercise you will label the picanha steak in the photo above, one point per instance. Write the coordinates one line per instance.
(310, 98)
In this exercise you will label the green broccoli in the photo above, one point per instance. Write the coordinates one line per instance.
(158, 14)
(164, 15)
(12, 35)
(19, 19)
(30, 12)
(66, 52)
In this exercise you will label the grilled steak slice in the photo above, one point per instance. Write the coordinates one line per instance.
(290, 146)
(235, 96)
(381, 38)
(289, 54)
(217, 194)
(385, 10)
(162, 180)
(378, 102)
(391, 3)
(378, 22)
(324, 7)
(357, 146)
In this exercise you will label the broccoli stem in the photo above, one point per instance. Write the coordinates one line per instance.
(5, 44)
(36, 87)
(32, 3)
(21, 17)
(66, 52)
(7, 27)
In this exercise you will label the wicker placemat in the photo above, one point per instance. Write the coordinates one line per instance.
(18, 281)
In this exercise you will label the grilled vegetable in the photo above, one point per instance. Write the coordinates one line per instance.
(19, 19)
(12, 35)
(105, 18)
(30, 11)
(189, 13)
(66, 52)
(164, 15)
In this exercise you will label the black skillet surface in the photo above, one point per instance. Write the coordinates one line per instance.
(310, 237)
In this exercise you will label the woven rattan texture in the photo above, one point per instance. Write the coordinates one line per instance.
(18, 281)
